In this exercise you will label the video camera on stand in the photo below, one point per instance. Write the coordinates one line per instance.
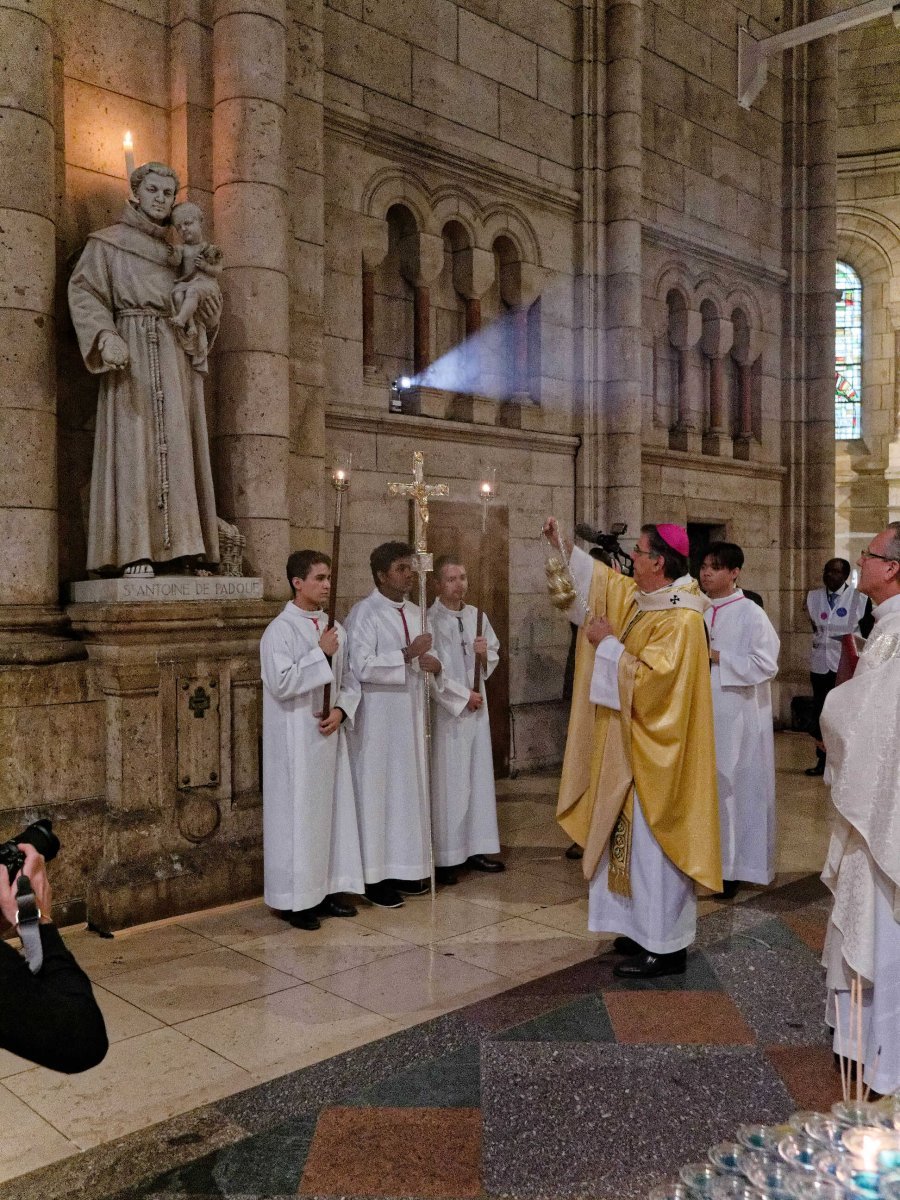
(609, 548)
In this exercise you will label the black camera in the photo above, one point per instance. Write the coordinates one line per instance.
(40, 835)
(610, 548)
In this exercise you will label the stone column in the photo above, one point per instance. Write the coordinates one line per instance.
(29, 614)
(892, 474)
(249, 72)
(473, 274)
(716, 342)
(807, 363)
(624, 35)
(686, 330)
(375, 243)
(421, 328)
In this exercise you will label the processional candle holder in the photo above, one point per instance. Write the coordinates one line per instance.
(341, 466)
(487, 491)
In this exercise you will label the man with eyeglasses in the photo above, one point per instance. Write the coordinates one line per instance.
(860, 723)
(834, 610)
(638, 788)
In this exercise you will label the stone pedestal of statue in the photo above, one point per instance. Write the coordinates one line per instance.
(180, 688)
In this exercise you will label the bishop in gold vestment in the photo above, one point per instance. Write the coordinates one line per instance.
(638, 789)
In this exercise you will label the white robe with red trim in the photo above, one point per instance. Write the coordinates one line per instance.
(310, 835)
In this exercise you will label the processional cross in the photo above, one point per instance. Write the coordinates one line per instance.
(420, 493)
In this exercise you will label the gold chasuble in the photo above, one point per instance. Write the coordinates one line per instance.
(660, 743)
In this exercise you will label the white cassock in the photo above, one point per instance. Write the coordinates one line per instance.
(310, 836)
(859, 725)
(386, 742)
(661, 912)
(463, 800)
(745, 743)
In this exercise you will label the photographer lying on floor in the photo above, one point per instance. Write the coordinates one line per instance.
(50, 1017)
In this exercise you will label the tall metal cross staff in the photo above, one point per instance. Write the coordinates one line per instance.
(420, 493)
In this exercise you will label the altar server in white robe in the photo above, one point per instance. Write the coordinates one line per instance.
(463, 799)
(743, 650)
(860, 721)
(388, 656)
(310, 837)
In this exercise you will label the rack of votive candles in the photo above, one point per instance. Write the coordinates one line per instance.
(849, 1153)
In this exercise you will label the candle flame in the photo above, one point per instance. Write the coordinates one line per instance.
(127, 140)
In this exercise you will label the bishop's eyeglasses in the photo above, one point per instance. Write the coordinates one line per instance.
(871, 554)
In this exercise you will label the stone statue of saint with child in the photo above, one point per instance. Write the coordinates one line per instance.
(146, 311)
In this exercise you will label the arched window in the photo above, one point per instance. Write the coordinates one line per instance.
(848, 354)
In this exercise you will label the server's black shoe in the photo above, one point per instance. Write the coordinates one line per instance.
(446, 876)
(480, 862)
(382, 895)
(818, 769)
(304, 918)
(575, 852)
(652, 966)
(334, 906)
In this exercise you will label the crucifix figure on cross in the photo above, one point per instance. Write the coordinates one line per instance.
(420, 493)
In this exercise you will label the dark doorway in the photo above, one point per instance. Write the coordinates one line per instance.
(454, 527)
(699, 536)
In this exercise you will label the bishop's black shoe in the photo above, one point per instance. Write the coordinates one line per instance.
(652, 966)
(480, 862)
(410, 887)
(729, 890)
(382, 895)
(575, 852)
(304, 918)
(818, 769)
(334, 906)
(627, 946)
(446, 876)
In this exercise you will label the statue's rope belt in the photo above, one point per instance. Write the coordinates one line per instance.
(150, 328)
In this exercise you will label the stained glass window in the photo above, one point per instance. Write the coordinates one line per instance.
(848, 354)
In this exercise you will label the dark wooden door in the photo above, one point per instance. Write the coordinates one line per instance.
(455, 528)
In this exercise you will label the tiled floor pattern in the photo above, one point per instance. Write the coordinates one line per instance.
(475, 1044)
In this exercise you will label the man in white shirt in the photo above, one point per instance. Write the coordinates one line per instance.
(388, 657)
(834, 610)
(310, 835)
(463, 800)
(862, 870)
(743, 651)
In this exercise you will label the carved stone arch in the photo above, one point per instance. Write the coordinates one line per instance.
(389, 187)
(674, 276)
(454, 204)
(863, 228)
(502, 220)
(709, 288)
(741, 297)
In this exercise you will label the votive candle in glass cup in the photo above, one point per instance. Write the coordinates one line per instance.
(860, 1178)
(699, 1176)
(859, 1112)
(825, 1129)
(725, 1156)
(799, 1149)
(732, 1187)
(762, 1137)
(877, 1149)
(772, 1174)
(815, 1188)
(671, 1191)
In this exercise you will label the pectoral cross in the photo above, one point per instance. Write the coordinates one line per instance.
(420, 493)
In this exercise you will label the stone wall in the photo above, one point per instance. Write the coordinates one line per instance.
(868, 222)
(643, 288)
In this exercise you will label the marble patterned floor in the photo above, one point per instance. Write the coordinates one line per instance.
(440, 1050)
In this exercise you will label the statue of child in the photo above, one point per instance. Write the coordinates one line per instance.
(199, 263)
